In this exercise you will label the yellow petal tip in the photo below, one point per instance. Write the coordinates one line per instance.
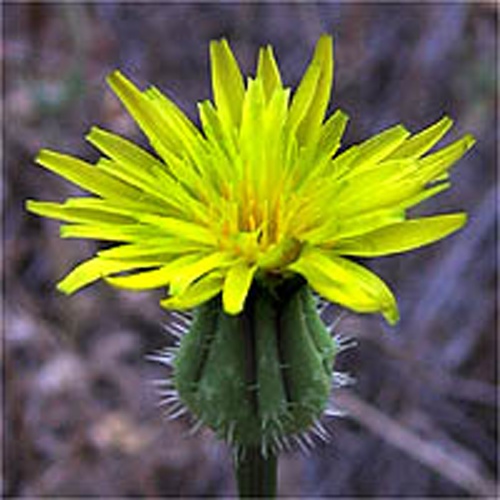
(114, 77)
(391, 315)
(469, 141)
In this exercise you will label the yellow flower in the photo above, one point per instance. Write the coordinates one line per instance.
(259, 190)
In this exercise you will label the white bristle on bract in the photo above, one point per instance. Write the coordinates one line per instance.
(167, 382)
(198, 424)
(298, 441)
(343, 342)
(341, 379)
(333, 410)
(181, 410)
(164, 359)
(168, 392)
(331, 323)
(175, 330)
(319, 429)
(182, 316)
(164, 356)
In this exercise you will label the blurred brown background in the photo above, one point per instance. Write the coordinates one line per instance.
(80, 414)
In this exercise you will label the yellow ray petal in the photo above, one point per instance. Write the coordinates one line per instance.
(154, 247)
(323, 59)
(153, 279)
(436, 164)
(175, 122)
(329, 234)
(377, 148)
(346, 283)
(91, 270)
(402, 236)
(236, 287)
(193, 271)
(332, 132)
(200, 291)
(85, 175)
(143, 112)
(268, 71)
(390, 183)
(137, 167)
(137, 161)
(420, 143)
(123, 206)
(227, 82)
(305, 93)
(108, 232)
(180, 228)
(427, 193)
(64, 212)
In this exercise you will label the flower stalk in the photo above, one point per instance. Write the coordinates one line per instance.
(256, 475)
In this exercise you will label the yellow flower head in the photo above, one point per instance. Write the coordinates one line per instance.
(257, 191)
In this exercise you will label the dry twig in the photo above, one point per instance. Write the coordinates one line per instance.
(430, 454)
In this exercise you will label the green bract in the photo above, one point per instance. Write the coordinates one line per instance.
(259, 190)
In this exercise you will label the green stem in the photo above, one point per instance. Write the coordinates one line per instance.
(256, 475)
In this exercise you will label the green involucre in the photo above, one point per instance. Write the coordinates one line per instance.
(263, 375)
